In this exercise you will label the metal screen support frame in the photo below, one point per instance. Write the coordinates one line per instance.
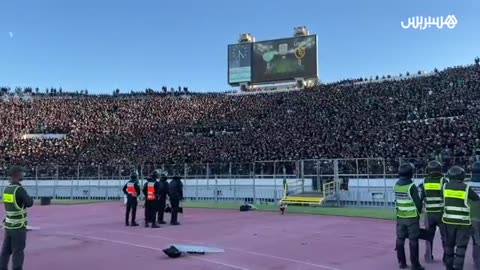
(275, 195)
(55, 183)
(253, 183)
(358, 183)
(385, 184)
(335, 170)
(36, 182)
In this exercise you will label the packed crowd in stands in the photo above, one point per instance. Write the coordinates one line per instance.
(430, 116)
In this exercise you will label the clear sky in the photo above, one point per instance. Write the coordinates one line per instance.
(101, 45)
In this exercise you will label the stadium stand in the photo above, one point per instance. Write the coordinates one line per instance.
(419, 117)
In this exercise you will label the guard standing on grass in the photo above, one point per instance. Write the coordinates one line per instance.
(456, 217)
(131, 189)
(16, 200)
(162, 197)
(150, 191)
(175, 194)
(409, 207)
(432, 195)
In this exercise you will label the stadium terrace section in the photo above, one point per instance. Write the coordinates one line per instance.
(420, 117)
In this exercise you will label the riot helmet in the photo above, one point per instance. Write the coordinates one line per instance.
(434, 166)
(456, 174)
(405, 170)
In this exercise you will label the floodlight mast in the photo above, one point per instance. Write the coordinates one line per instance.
(245, 38)
(300, 31)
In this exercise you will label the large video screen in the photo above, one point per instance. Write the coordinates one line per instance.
(285, 59)
(239, 63)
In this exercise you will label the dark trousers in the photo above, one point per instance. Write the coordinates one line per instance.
(476, 244)
(408, 228)
(13, 245)
(432, 221)
(131, 207)
(175, 204)
(162, 203)
(456, 245)
(150, 210)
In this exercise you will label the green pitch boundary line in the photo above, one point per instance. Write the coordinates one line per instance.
(328, 211)
(376, 213)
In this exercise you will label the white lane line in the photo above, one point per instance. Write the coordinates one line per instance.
(146, 247)
(234, 249)
(286, 259)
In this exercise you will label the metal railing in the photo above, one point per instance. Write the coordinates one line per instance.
(330, 189)
(365, 182)
(260, 169)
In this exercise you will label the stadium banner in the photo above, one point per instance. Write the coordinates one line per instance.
(47, 136)
(225, 182)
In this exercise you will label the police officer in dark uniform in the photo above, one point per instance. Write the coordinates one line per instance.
(162, 197)
(456, 217)
(175, 194)
(475, 212)
(15, 200)
(156, 175)
(409, 207)
(150, 191)
(432, 195)
(131, 189)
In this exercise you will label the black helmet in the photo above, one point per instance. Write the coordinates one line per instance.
(405, 170)
(476, 167)
(434, 166)
(476, 171)
(134, 175)
(456, 174)
(156, 174)
(15, 171)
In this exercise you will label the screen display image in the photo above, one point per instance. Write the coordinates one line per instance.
(285, 59)
(239, 63)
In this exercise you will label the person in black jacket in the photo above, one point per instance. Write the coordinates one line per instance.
(131, 189)
(162, 197)
(15, 200)
(175, 194)
(150, 191)
(475, 214)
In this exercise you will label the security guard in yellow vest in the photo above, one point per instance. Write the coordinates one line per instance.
(432, 195)
(456, 217)
(15, 199)
(409, 207)
(475, 214)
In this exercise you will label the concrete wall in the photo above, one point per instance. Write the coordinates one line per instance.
(361, 192)
(203, 189)
(377, 190)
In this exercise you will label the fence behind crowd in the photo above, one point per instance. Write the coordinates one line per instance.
(358, 182)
